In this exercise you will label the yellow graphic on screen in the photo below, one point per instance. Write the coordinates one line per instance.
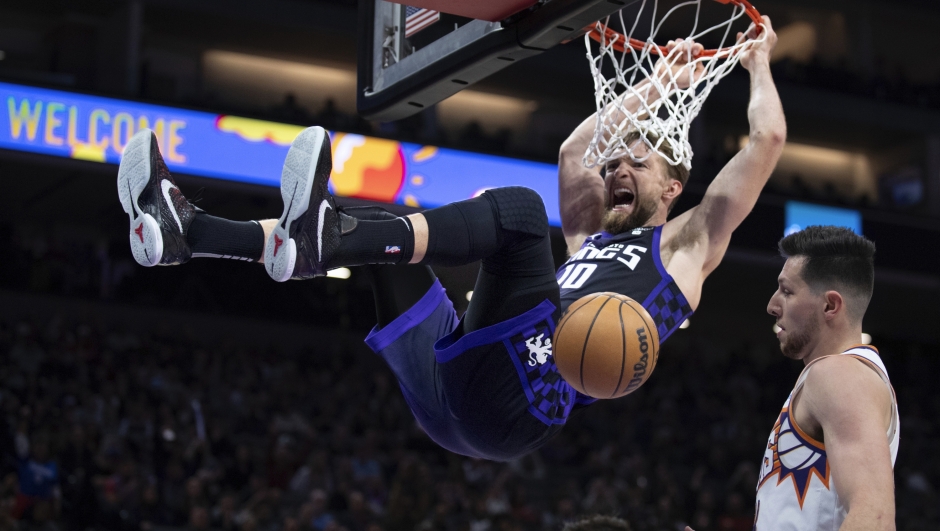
(367, 168)
(258, 130)
(425, 153)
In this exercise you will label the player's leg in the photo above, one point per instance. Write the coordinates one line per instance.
(413, 312)
(396, 289)
(454, 234)
(505, 227)
(521, 274)
(515, 278)
(311, 236)
(165, 228)
(497, 371)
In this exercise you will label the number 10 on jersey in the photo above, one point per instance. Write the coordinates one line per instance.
(576, 274)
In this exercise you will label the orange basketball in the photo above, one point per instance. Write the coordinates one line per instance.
(606, 345)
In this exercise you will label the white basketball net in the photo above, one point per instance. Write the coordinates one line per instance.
(623, 101)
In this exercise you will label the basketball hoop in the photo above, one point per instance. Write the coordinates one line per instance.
(647, 98)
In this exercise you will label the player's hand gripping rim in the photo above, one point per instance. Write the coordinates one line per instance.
(761, 41)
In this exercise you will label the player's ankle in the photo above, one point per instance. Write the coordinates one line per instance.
(373, 242)
(214, 237)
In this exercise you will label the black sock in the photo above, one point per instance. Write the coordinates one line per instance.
(376, 242)
(213, 237)
(458, 234)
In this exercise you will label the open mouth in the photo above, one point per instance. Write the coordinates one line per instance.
(622, 199)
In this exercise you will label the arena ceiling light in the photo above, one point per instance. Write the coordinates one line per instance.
(797, 42)
(256, 81)
(491, 111)
(866, 339)
(253, 81)
(852, 174)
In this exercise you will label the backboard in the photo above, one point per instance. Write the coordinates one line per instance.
(411, 57)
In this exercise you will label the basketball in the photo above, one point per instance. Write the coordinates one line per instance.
(606, 345)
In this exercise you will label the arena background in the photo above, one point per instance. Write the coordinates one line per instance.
(209, 397)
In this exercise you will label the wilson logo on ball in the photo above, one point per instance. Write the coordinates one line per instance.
(606, 345)
(639, 368)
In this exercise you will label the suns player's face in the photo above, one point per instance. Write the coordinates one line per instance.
(633, 190)
(798, 310)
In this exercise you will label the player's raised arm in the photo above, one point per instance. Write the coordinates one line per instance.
(581, 190)
(733, 193)
(853, 407)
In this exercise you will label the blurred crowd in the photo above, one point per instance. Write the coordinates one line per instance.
(884, 85)
(104, 429)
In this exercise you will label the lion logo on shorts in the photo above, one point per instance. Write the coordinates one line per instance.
(539, 351)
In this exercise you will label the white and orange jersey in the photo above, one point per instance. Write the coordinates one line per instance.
(796, 489)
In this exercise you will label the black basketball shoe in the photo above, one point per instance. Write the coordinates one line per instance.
(308, 232)
(159, 213)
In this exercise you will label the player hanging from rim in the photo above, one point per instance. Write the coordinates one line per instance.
(469, 382)
(828, 462)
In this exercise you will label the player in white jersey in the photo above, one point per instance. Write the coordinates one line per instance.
(829, 462)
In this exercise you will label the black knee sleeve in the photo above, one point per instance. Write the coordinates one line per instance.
(519, 209)
(462, 232)
(504, 226)
(526, 249)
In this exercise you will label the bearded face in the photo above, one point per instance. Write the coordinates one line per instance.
(634, 190)
(629, 214)
(793, 342)
(796, 308)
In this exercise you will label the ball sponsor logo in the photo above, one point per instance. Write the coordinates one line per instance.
(639, 368)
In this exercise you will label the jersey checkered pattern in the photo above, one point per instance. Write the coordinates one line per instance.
(550, 397)
(668, 308)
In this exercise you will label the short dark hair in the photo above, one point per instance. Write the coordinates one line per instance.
(597, 523)
(835, 257)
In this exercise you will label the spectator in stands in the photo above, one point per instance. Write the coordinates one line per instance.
(38, 495)
(277, 455)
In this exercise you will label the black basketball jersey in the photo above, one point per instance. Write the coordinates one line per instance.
(629, 264)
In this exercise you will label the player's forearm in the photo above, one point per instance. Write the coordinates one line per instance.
(734, 191)
(745, 176)
(573, 148)
(580, 190)
(870, 517)
(581, 197)
(768, 126)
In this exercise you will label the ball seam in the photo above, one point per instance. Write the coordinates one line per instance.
(587, 339)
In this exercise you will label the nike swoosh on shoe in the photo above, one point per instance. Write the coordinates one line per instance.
(323, 206)
(166, 185)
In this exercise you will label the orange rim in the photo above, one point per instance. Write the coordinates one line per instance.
(601, 33)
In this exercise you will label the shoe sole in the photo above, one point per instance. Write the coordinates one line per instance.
(297, 181)
(133, 177)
